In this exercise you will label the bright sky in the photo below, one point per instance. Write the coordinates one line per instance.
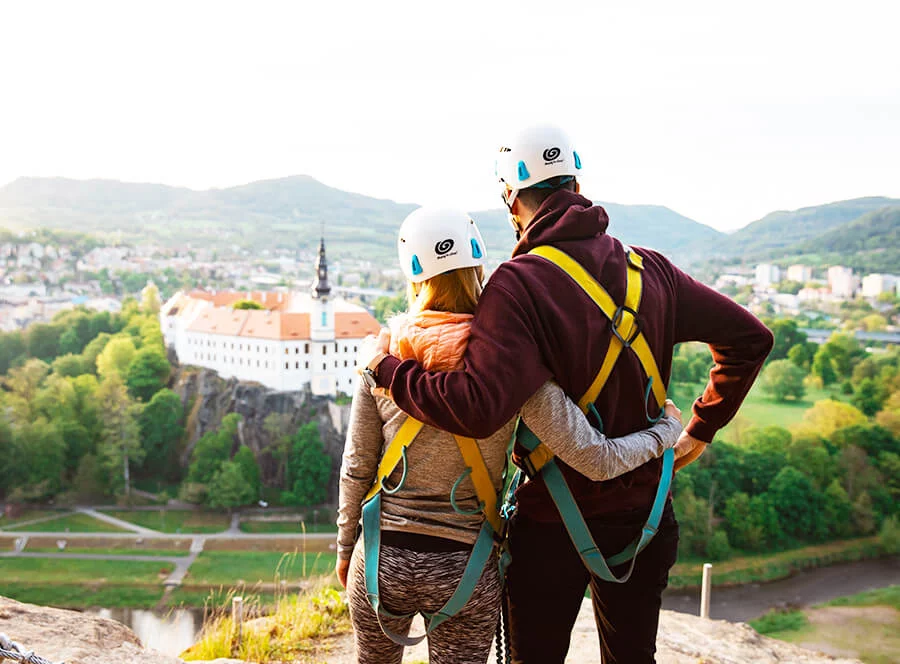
(721, 111)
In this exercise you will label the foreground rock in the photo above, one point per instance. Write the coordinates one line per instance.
(78, 638)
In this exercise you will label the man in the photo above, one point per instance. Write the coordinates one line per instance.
(533, 323)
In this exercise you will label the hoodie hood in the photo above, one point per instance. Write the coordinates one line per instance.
(435, 339)
(563, 216)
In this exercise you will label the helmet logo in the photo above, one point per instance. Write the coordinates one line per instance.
(550, 154)
(444, 247)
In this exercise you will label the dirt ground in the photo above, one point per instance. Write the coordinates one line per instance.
(870, 633)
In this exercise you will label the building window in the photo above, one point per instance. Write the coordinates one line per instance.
(323, 366)
(324, 319)
(257, 363)
(287, 351)
(306, 348)
(296, 350)
(354, 349)
(257, 348)
(345, 364)
(345, 349)
(287, 365)
(324, 350)
(335, 347)
(296, 365)
(306, 365)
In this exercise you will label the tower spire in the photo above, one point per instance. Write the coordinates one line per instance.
(321, 289)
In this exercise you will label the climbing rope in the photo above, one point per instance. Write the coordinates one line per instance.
(11, 650)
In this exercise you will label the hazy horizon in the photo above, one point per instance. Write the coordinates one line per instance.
(716, 112)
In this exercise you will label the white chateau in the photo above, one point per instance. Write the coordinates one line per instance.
(298, 339)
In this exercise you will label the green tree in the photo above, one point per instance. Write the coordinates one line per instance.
(801, 356)
(693, 520)
(838, 509)
(787, 334)
(89, 482)
(809, 453)
(245, 459)
(120, 435)
(38, 460)
(783, 380)
(681, 370)
(309, 468)
(212, 450)
(150, 303)
(868, 397)
(22, 384)
(247, 304)
(7, 451)
(384, 307)
(69, 365)
(744, 531)
(719, 548)
(798, 504)
(863, 514)
(826, 417)
(92, 351)
(12, 350)
(161, 432)
(43, 341)
(147, 373)
(823, 367)
(115, 357)
(228, 488)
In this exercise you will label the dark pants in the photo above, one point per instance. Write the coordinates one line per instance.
(547, 581)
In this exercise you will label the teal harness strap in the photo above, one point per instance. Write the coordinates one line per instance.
(577, 527)
(481, 554)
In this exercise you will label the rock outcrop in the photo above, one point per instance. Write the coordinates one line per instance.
(207, 398)
(79, 638)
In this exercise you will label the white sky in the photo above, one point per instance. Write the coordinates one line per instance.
(721, 111)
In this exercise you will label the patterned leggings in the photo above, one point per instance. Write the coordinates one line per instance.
(417, 581)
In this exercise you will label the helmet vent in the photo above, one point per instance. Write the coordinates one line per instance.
(416, 266)
(476, 249)
(523, 171)
(577, 159)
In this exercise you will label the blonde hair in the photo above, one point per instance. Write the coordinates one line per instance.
(456, 291)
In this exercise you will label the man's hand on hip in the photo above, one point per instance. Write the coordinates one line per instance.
(687, 450)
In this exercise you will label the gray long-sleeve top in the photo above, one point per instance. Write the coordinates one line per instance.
(423, 506)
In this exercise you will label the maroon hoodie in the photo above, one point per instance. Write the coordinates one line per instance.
(533, 323)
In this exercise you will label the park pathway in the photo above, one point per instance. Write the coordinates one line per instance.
(119, 523)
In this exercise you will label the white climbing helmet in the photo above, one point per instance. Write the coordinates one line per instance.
(536, 154)
(437, 240)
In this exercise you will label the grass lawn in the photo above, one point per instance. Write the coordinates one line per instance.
(772, 566)
(281, 527)
(73, 523)
(175, 521)
(37, 571)
(866, 626)
(73, 596)
(229, 568)
(29, 515)
(758, 409)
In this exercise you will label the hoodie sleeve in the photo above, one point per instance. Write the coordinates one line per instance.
(561, 425)
(502, 368)
(739, 343)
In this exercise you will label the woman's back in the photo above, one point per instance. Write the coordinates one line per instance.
(422, 505)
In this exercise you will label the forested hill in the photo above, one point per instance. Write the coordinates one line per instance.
(770, 236)
(287, 213)
(869, 244)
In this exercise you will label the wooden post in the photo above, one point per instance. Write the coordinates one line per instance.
(705, 590)
(237, 617)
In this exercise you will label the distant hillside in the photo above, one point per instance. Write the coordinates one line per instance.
(777, 231)
(652, 226)
(285, 213)
(870, 243)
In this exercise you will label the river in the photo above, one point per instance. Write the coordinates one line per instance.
(171, 632)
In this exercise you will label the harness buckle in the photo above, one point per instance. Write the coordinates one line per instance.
(617, 320)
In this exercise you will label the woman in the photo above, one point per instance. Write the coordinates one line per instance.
(426, 541)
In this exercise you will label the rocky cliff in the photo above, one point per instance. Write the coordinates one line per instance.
(78, 638)
(207, 398)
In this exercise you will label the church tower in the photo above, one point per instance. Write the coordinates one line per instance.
(323, 360)
(321, 289)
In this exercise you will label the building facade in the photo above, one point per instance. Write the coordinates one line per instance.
(295, 340)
